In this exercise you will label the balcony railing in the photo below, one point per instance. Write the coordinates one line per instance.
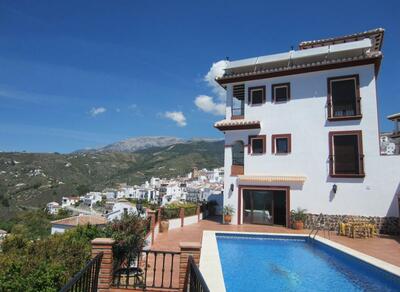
(347, 111)
(195, 281)
(85, 280)
(151, 269)
(348, 168)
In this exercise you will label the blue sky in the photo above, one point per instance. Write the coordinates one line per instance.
(77, 74)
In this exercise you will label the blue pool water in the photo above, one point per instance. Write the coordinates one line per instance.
(284, 263)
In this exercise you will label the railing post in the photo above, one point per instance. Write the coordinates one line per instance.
(104, 245)
(187, 249)
(198, 213)
(152, 215)
(182, 216)
(158, 215)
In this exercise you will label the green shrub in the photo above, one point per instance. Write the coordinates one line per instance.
(171, 211)
(46, 264)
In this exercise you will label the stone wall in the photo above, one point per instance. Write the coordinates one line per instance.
(384, 225)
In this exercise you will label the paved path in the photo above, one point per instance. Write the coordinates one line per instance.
(386, 248)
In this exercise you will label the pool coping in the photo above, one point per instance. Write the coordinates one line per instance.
(211, 268)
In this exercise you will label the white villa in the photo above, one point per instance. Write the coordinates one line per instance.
(92, 198)
(119, 208)
(301, 131)
(60, 226)
(69, 201)
(53, 208)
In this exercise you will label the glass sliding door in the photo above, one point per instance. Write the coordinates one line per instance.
(264, 207)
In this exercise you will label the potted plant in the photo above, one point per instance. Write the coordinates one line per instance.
(228, 211)
(298, 218)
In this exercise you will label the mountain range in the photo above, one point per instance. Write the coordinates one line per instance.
(144, 142)
(30, 180)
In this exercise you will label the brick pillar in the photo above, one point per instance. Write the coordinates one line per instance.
(182, 216)
(158, 215)
(104, 245)
(198, 213)
(187, 249)
(152, 215)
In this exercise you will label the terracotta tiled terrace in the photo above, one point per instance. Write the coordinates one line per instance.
(386, 248)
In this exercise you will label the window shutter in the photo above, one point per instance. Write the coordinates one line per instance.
(238, 91)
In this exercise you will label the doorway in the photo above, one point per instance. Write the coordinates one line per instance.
(265, 206)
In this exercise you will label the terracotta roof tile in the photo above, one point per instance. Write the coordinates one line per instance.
(81, 220)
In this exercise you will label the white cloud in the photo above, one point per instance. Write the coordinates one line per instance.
(207, 104)
(97, 111)
(216, 70)
(177, 117)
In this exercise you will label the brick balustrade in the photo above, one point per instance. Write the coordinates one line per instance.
(152, 215)
(187, 249)
(104, 245)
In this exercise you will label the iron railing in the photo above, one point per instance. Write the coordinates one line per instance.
(85, 280)
(151, 269)
(195, 281)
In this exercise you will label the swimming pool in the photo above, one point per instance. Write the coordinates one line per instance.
(252, 262)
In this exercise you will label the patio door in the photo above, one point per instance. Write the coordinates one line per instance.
(264, 207)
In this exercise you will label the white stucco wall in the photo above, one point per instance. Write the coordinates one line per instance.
(174, 223)
(305, 118)
(190, 220)
(59, 229)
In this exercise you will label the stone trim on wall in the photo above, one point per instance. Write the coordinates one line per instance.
(384, 225)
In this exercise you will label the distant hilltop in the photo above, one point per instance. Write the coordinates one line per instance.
(145, 142)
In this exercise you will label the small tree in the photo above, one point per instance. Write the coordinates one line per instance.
(129, 233)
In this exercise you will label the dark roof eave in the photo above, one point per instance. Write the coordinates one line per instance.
(373, 60)
(238, 127)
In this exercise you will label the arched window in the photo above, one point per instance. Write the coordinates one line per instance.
(238, 153)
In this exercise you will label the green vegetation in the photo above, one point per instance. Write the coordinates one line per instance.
(47, 264)
(171, 211)
(32, 224)
(298, 215)
(30, 180)
(228, 210)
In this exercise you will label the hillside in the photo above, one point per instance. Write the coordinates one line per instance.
(29, 180)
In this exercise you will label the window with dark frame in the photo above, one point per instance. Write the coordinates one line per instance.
(280, 92)
(257, 144)
(281, 144)
(346, 154)
(238, 153)
(343, 97)
(238, 100)
(256, 95)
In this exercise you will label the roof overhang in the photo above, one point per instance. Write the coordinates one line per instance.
(264, 179)
(375, 35)
(227, 125)
(302, 68)
(394, 117)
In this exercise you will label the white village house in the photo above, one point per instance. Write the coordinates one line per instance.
(301, 130)
(60, 226)
(69, 201)
(119, 208)
(53, 208)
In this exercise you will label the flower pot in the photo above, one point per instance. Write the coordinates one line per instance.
(164, 226)
(227, 219)
(298, 225)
